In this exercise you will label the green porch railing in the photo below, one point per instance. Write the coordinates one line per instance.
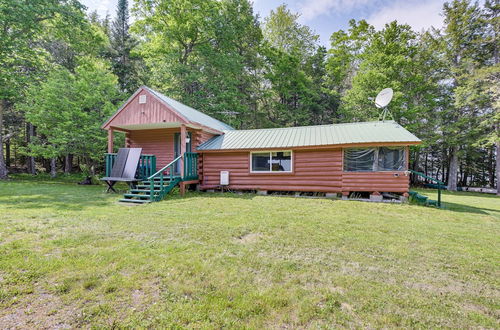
(147, 165)
(439, 183)
(165, 179)
(190, 166)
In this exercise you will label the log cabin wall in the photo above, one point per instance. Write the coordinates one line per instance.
(160, 142)
(313, 170)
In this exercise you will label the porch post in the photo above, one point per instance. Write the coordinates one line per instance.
(110, 140)
(183, 150)
(127, 140)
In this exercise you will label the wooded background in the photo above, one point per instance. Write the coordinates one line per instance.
(65, 71)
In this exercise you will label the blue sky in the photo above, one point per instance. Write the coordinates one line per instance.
(327, 16)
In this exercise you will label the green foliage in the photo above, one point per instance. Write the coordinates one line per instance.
(391, 60)
(283, 32)
(125, 64)
(202, 53)
(68, 109)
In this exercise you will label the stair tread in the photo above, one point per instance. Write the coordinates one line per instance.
(139, 191)
(141, 201)
(136, 195)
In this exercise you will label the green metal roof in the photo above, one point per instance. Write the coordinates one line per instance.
(364, 132)
(191, 114)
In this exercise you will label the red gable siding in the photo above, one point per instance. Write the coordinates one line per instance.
(153, 111)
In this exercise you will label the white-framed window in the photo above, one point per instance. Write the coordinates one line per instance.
(375, 159)
(271, 161)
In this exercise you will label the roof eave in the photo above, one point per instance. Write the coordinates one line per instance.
(323, 146)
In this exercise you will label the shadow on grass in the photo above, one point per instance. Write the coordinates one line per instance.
(447, 198)
(470, 209)
(29, 193)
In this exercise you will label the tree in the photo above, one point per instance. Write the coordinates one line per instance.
(283, 32)
(202, 53)
(68, 109)
(346, 49)
(391, 59)
(290, 51)
(125, 65)
(21, 22)
(461, 47)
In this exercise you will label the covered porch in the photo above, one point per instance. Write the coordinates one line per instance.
(168, 133)
(167, 151)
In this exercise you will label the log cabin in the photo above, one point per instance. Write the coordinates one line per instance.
(182, 146)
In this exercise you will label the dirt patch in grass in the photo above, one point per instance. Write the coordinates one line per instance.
(41, 311)
(248, 238)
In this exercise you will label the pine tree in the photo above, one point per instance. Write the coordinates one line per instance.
(461, 46)
(125, 65)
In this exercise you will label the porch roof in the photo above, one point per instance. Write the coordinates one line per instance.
(160, 111)
(191, 114)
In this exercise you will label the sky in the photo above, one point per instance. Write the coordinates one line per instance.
(328, 16)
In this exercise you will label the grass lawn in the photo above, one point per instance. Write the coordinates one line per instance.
(70, 256)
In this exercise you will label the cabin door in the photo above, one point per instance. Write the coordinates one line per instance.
(177, 150)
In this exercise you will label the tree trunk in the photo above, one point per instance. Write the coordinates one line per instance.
(3, 167)
(452, 173)
(7, 153)
(497, 144)
(53, 169)
(30, 160)
(491, 168)
(68, 163)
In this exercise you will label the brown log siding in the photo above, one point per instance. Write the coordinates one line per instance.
(313, 170)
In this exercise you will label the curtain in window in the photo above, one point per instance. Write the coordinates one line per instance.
(391, 159)
(359, 159)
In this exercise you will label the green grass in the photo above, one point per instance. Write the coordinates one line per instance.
(70, 256)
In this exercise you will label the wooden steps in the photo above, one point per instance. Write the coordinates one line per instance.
(422, 200)
(142, 192)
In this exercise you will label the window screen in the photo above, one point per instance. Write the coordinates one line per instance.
(391, 159)
(375, 159)
(359, 159)
(279, 161)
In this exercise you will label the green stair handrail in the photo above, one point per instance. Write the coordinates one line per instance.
(164, 189)
(439, 184)
(190, 173)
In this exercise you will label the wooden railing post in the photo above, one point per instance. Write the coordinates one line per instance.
(183, 148)
(110, 140)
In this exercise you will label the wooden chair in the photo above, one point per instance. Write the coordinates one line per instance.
(124, 168)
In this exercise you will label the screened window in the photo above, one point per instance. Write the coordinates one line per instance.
(279, 161)
(374, 159)
(391, 159)
(359, 159)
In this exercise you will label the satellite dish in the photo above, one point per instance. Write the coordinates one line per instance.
(384, 97)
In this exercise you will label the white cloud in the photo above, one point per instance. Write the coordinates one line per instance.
(419, 15)
(311, 9)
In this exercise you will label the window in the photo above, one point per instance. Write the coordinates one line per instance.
(374, 159)
(271, 161)
(391, 159)
(359, 159)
